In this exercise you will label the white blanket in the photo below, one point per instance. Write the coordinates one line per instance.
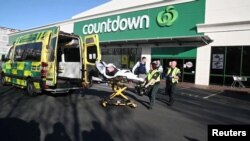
(101, 66)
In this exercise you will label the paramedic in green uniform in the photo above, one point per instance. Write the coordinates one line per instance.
(172, 78)
(152, 83)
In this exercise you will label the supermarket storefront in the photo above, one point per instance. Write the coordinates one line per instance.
(165, 33)
(180, 30)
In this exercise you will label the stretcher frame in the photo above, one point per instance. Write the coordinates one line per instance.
(118, 92)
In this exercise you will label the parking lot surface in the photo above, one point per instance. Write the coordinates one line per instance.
(79, 116)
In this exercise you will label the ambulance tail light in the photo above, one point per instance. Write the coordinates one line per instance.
(44, 69)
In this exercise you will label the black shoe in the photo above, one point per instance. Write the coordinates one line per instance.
(171, 102)
(150, 108)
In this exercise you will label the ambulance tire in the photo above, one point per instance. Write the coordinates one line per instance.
(30, 88)
(3, 80)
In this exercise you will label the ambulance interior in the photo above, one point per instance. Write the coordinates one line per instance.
(69, 62)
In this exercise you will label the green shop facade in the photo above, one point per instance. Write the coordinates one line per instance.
(165, 33)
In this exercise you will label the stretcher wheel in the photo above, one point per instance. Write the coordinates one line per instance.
(140, 91)
(133, 105)
(104, 103)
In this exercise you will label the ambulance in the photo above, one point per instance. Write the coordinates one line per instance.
(50, 60)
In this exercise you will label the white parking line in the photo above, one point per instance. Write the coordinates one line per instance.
(188, 94)
(199, 91)
(182, 88)
(206, 97)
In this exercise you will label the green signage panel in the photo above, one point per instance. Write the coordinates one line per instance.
(167, 21)
(173, 52)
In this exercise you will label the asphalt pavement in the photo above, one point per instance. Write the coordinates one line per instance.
(79, 116)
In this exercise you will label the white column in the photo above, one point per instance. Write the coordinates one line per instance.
(146, 52)
(203, 65)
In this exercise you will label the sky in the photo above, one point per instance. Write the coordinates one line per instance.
(26, 14)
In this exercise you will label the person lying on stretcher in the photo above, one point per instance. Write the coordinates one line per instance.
(110, 71)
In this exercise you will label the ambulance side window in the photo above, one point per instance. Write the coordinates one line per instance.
(10, 53)
(32, 52)
(19, 52)
(52, 50)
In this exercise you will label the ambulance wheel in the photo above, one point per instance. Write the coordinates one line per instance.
(3, 79)
(30, 88)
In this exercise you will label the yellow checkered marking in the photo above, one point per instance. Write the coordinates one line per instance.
(37, 85)
(20, 65)
(14, 71)
(8, 79)
(21, 82)
(27, 73)
(8, 65)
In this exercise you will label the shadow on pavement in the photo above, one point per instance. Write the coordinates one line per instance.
(96, 134)
(69, 117)
(245, 96)
(73, 100)
(59, 133)
(14, 129)
(99, 93)
(131, 92)
(210, 112)
(142, 102)
(190, 139)
(115, 123)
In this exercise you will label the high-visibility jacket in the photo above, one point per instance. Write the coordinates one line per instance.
(174, 74)
(152, 73)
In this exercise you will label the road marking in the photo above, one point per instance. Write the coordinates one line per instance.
(199, 91)
(187, 94)
(206, 97)
(182, 88)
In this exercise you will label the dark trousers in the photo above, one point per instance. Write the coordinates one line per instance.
(152, 93)
(170, 90)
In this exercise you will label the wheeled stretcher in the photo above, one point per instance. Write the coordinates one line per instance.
(118, 80)
(118, 97)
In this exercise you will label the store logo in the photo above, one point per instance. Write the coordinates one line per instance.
(167, 17)
(117, 24)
